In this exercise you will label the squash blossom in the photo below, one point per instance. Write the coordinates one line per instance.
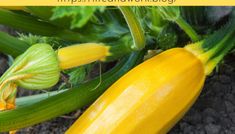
(37, 68)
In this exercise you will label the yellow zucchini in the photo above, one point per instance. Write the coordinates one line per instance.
(149, 99)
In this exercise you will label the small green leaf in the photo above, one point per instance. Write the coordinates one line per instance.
(77, 75)
(35, 39)
(79, 15)
(167, 38)
(170, 13)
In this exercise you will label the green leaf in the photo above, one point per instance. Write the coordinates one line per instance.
(35, 39)
(195, 16)
(77, 75)
(215, 13)
(79, 15)
(170, 13)
(167, 38)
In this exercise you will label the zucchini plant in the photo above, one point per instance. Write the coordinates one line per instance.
(150, 98)
(166, 87)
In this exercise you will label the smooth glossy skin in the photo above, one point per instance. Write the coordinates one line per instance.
(149, 99)
(77, 55)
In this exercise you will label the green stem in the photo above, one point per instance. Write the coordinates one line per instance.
(156, 17)
(213, 49)
(156, 29)
(188, 29)
(135, 27)
(30, 100)
(222, 41)
(11, 45)
(64, 102)
(30, 24)
(217, 53)
(119, 48)
(45, 13)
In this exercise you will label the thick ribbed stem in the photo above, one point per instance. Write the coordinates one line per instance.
(135, 28)
(213, 49)
(11, 45)
(187, 29)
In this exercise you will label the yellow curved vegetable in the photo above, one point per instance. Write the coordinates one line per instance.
(149, 99)
(82, 54)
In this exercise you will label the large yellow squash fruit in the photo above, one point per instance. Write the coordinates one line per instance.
(149, 99)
